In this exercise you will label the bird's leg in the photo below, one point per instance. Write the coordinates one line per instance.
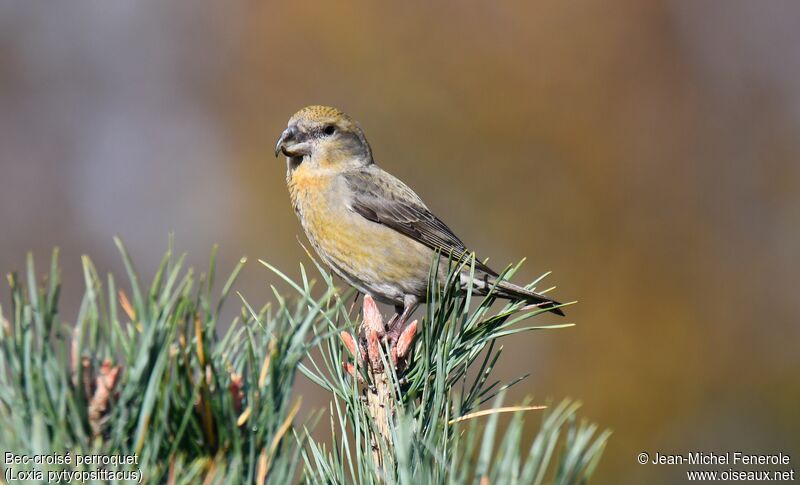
(397, 324)
(394, 322)
(393, 318)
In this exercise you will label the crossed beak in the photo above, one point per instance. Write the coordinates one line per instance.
(289, 143)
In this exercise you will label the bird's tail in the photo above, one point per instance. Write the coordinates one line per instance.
(508, 290)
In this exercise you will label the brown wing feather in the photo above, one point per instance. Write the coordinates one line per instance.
(382, 198)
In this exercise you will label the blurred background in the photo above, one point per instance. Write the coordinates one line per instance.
(645, 152)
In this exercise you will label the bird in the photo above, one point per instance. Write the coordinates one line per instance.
(368, 226)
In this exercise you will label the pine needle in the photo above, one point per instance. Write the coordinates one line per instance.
(487, 412)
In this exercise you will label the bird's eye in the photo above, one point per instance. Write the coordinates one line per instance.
(329, 130)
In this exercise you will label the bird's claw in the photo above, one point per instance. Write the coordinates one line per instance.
(368, 349)
(401, 351)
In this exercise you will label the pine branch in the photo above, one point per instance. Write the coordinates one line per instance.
(416, 409)
(153, 371)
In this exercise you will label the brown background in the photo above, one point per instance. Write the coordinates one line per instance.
(646, 152)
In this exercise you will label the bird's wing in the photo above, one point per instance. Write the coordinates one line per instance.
(382, 198)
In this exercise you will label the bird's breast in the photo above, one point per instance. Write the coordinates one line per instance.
(373, 257)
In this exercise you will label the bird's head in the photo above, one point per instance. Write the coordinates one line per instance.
(324, 138)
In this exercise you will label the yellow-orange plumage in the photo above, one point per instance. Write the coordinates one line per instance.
(363, 252)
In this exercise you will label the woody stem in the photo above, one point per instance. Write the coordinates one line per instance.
(380, 400)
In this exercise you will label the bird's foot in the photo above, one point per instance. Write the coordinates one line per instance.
(369, 350)
(402, 344)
